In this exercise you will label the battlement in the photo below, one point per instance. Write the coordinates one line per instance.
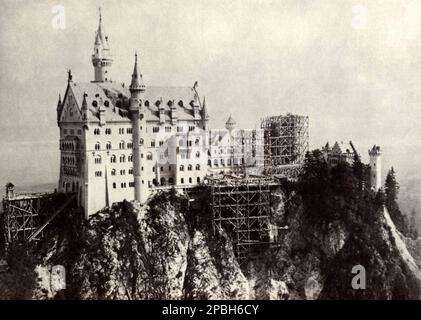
(375, 151)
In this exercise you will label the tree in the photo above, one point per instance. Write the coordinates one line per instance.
(391, 191)
(391, 188)
(358, 168)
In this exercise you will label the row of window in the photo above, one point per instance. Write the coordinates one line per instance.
(113, 158)
(130, 171)
(129, 130)
(122, 144)
(70, 171)
(69, 161)
(97, 131)
(190, 180)
(67, 186)
(108, 146)
(72, 131)
(190, 167)
(154, 182)
(221, 162)
(185, 154)
(121, 130)
(122, 172)
(68, 146)
(123, 185)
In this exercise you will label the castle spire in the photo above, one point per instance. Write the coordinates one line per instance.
(137, 82)
(230, 124)
(59, 108)
(205, 114)
(101, 56)
(59, 100)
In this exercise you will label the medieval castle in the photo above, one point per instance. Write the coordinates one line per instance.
(120, 142)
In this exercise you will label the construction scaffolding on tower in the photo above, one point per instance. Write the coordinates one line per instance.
(286, 142)
(241, 207)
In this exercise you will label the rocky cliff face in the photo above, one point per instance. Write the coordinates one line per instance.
(160, 251)
(143, 252)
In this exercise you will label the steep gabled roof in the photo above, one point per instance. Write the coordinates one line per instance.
(115, 99)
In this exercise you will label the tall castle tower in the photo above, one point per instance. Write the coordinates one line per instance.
(137, 88)
(375, 167)
(101, 56)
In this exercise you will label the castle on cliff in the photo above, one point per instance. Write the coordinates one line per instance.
(123, 142)
(119, 142)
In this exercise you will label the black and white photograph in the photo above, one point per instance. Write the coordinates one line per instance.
(200, 150)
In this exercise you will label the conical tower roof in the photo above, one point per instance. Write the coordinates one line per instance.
(137, 81)
(230, 124)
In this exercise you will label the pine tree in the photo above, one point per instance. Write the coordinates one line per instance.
(391, 188)
(391, 191)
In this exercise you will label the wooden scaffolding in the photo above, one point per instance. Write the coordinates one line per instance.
(241, 207)
(25, 216)
(286, 139)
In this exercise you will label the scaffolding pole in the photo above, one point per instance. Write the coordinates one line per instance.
(242, 209)
(286, 139)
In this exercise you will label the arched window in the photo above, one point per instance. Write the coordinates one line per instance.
(114, 185)
(141, 142)
(122, 158)
(182, 168)
(190, 167)
(108, 145)
(113, 159)
(122, 145)
(197, 154)
(190, 180)
(149, 156)
(170, 180)
(163, 182)
(98, 160)
(222, 162)
(113, 172)
(97, 146)
(130, 145)
(131, 171)
(197, 142)
(197, 166)
(130, 158)
(198, 179)
(215, 162)
(209, 162)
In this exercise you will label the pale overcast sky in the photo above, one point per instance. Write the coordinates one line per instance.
(352, 66)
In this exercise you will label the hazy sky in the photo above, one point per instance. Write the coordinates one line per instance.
(352, 66)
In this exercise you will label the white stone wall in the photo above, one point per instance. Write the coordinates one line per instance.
(376, 171)
(109, 181)
(230, 149)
